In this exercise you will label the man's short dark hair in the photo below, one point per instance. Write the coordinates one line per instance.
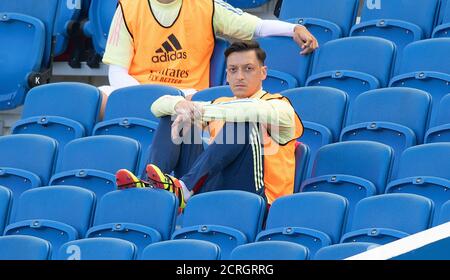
(242, 46)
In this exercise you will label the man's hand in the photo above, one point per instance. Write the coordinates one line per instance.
(305, 39)
(187, 113)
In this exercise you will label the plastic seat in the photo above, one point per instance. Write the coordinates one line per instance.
(313, 220)
(443, 29)
(227, 218)
(423, 170)
(444, 215)
(97, 249)
(218, 63)
(5, 207)
(57, 214)
(354, 170)
(92, 162)
(128, 114)
(62, 111)
(388, 217)
(26, 161)
(439, 131)
(325, 19)
(401, 22)
(338, 64)
(244, 4)
(430, 72)
(18, 247)
(321, 127)
(302, 158)
(343, 251)
(375, 116)
(140, 215)
(68, 15)
(211, 94)
(188, 249)
(286, 67)
(270, 250)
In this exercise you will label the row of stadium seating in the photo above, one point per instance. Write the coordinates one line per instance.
(60, 214)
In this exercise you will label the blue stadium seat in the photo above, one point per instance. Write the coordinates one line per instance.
(183, 249)
(101, 13)
(91, 162)
(26, 161)
(141, 216)
(302, 158)
(218, 63)
(322, 111)
(425, 65)
(375, 116)
(211, 94)
(399, 21)
(287, 68)
(66, 22)
(270, 250)
(63, 111)
(18, 247)
(5, 207)
(128, 114)
(354, 170)
(338, 64)
(313, 220)
(57, 214)
(444, 215)
(97, 249)
(443, 29)
(343, 251)
(388, 217)
(440, 129)
(325, 19)
(26, 28)
(227, 218)
(424, 170)
(246, 4)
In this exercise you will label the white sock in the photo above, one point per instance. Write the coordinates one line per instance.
(186, 192)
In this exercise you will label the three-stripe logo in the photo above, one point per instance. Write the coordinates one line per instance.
(171, 50)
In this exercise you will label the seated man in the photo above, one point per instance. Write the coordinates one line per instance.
(252, 137)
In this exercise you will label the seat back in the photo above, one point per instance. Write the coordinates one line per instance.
(444, 215)
(63, 111)
(342, 14)
(91, 162)
(384, 218)
(45, 11)
(423, 170)
(57, 214)
(338, 64)
(375, 116)
(227, 218)
(244, 4)
(101, 13)
(440, 130)
(442, 30)
(430, 73)
(343, 251)
(21, 55)
(320, 127)
(97, 249)
(313, 220)
(145, 216)
(270, 250)
(26, 161)
(218, 63)
(5, 207)
(18, 247)
(68, 14)
(211, 94)
(287, 68)
(302, 158)
(183, 249)
(354, 170)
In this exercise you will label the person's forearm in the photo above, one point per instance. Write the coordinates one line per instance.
(119, 77)
(165, 105)
(274, 28)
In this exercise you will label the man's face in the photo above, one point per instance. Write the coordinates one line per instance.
(245, 73)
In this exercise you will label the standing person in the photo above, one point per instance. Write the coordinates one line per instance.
(253, 137)
(171, 42)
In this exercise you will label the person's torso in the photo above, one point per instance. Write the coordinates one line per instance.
(176, 55)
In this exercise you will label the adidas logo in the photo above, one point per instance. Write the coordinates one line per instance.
(171, 50)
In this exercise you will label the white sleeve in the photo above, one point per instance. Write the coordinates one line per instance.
(119, 77)
(266, 28)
